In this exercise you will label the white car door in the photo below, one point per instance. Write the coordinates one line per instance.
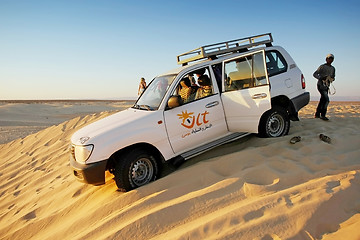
(196, 122)
(246, 92)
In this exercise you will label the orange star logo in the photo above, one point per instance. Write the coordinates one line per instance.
(185, 115)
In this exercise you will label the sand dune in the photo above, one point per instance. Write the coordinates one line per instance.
(21, 118)
(253, 188)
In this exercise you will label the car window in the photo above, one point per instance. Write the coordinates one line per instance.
(245, 72)
(154, 93)
(194, 85)
(186, 89)
(275, 63)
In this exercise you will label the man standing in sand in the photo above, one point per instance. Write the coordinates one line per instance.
(325, 75)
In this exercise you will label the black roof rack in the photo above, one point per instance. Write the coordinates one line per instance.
(213, 50)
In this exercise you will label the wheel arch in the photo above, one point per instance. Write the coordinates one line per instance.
(114, 158)
(265, 124)
(284, 102)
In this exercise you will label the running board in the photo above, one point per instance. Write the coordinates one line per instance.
(211, 145)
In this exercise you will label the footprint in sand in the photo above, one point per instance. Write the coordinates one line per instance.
(13, 175)
(254, 214)
(331, 185)
(58, 177)
(288, 201)
(271, 237)
(29, 216)
(16, 193)
(77, 193)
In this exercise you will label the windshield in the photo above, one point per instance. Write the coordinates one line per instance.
(154, 93)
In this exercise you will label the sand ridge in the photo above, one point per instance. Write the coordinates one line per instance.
(19, 118)
(253, 188)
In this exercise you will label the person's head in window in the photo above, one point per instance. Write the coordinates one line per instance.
(192, 80)
(186, 90)
(200, 72)
(205, 87)
(204, 81)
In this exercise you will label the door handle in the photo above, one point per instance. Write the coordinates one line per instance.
(259, 96)
(212, 104)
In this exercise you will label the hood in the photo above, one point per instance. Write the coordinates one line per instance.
(102, 127)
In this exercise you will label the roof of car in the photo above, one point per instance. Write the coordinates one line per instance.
(220, 51)
(203, 62)
(216, 50)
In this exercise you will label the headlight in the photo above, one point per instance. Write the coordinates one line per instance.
(82, 153)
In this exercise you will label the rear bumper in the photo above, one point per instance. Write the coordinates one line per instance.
(93, 173)
(301, 101)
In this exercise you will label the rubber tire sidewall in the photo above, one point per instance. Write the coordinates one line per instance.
(264, 121)
(122, 171)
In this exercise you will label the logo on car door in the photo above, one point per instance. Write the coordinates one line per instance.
(194, 122)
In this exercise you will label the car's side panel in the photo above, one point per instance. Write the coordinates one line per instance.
(124, 129)
(286, 83)
(195, 124)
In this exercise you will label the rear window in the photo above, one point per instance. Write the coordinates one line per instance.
(275, 63)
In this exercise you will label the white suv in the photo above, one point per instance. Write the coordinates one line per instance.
(222, 92)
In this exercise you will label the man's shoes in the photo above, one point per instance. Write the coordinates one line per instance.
(324, 118)
(317, 116)
(295, 139)
(325, 138)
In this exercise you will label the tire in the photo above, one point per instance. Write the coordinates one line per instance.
(134, 169)
(274, 123)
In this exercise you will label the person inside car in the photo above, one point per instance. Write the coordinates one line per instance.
(186, 90)
(205, 88)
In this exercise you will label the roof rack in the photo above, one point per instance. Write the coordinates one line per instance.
(213, 50)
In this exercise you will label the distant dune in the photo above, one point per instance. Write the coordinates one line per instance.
(19, 118)
(253, 188)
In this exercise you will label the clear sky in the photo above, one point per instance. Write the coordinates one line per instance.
(86, 49)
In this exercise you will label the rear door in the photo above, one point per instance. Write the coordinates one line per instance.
(246, 92)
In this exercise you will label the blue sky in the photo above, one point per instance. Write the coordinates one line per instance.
(100, 49)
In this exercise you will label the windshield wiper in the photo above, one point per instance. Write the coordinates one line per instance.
(145, 107)
(142, 107)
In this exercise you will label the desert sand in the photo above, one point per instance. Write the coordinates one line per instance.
(253, 188)
(23, 117)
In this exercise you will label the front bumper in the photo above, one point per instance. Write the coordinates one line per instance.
(93, 173)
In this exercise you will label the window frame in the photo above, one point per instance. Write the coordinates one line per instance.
(208, 72)
(251, 84)
(282, 59)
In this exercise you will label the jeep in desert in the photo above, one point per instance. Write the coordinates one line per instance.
(221, 92)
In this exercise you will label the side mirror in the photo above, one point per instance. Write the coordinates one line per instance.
(174, 101)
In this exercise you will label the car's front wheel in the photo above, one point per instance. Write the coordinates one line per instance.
(274, 123)
(134, 169)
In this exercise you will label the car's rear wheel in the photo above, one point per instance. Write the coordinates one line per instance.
(274, 123)
(134, 169)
